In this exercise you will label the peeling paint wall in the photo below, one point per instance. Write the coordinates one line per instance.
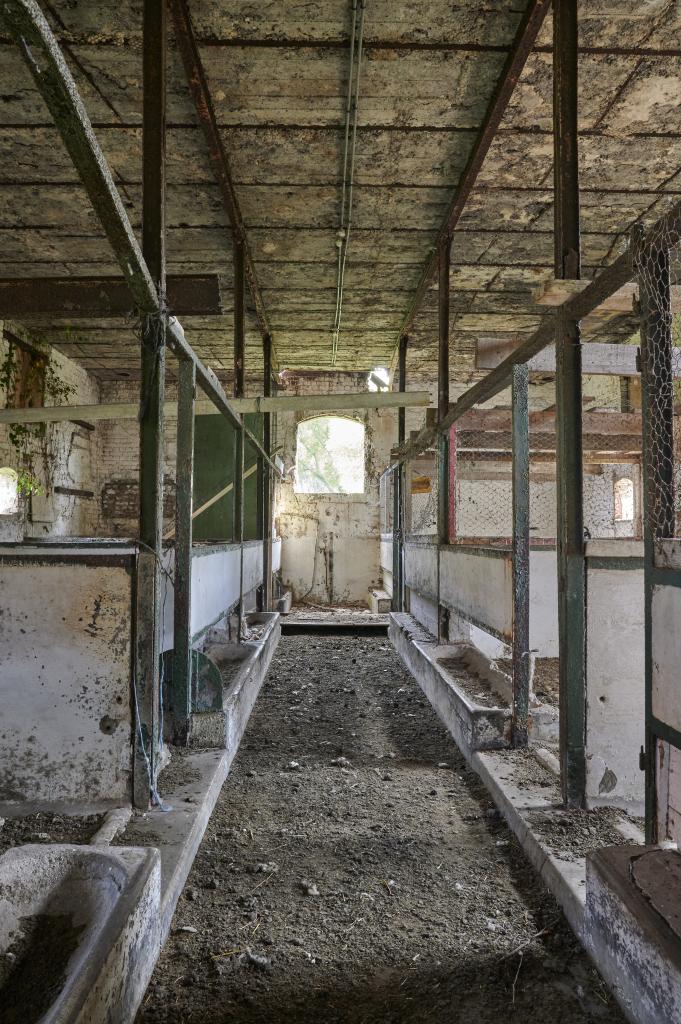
(331, 542)
(72, 463)
(615, 685)
(65, 670)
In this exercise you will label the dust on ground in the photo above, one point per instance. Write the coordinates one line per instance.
(33, 966)
(572, 834)
(545, 684)
(476, 688)
(48, 828)
(355, 870)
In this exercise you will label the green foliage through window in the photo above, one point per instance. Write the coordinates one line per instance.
(330, 456)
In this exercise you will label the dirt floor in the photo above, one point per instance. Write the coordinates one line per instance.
(47, 828)
(354, 870)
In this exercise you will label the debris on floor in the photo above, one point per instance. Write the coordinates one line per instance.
(425, 907)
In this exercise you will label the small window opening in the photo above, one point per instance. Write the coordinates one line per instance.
(378, 379)
(624, 500)
(9, 491)
(330, 456)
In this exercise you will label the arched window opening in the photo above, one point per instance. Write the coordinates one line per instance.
(330, 456)
(624, 500)
(9, 491)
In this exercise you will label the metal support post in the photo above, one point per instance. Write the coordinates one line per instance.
(267, 490)
(239, 378)
(148, 696)
(181, 693)
(521, 554)
(398, 487)
(442, 410)
(570, 526)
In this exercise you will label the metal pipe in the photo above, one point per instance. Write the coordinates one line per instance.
(348, 183)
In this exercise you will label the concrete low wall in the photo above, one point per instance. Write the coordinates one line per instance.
(65, 670)
(615, 678)
(215, 584)
(476, 584)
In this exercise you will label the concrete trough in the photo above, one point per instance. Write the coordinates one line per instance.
(632, 928)
(473, 726)
(243, 668)
(79, 933)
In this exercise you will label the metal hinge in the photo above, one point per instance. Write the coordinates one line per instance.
(638, 360)
(642, 759)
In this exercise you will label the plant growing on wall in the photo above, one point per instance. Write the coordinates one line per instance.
(29, 379)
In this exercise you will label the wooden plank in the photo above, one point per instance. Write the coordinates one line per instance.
(598, 358)
(188, 294)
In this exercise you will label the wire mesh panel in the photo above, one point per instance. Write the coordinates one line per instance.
(422, 494)
(612, 453)
(658, 263)
(386, 503)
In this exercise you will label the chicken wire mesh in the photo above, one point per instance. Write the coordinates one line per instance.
(658, 267)
(385, 511)
(422, 495)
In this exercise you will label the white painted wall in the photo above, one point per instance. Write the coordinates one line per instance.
(215, 584)
(330, 549)
(615, 685)
(420, 567)
(544, 603)
(65, 671)
(478, 586)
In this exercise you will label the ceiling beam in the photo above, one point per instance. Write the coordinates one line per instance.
(279, 403)
(526, 36)
(32, 33)
(188, 295)
(205, 112)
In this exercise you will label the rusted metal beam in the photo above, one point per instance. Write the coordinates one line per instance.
(525, 38)
(187, 294)
(203, 103)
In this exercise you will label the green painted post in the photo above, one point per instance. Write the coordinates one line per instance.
(442, 410)
(569, 469)
(521, 553)
(147, 681)
(180, 696)
(398, 487)
(239, 381)
(267, 490)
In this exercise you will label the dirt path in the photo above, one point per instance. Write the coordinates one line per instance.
(355, 871)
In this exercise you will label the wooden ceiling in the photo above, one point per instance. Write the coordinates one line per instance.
(278, 76)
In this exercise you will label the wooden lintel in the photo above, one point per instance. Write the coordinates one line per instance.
(188, 294)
